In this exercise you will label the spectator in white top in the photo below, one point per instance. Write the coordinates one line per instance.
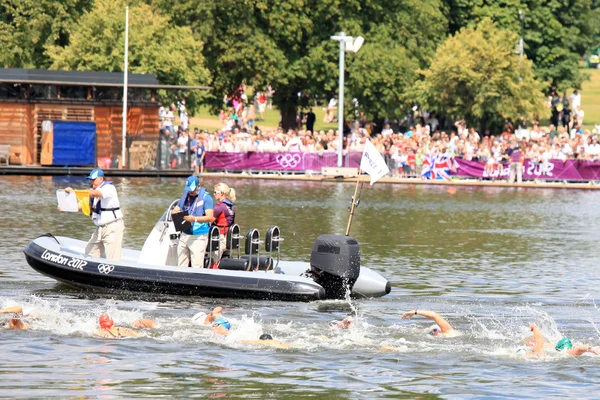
(294, 144)
(386, 130)
(593, 150)
(168, 120)
(579, 114)
(184, 121)
(575, 99)
(331, 107)
(433, 122)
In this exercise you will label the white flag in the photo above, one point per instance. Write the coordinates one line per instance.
(372, 163)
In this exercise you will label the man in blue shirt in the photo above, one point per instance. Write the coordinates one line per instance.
(199, 205)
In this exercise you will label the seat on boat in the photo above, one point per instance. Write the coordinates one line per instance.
(265, 263)
(234, 264)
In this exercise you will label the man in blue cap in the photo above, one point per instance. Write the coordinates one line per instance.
(199, 206)
(105, 210)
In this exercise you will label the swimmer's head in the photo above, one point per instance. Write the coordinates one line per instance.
(345, 323)
(564, 343)
(222, 322)
(105, 321)
(265, 336)
(434, 330)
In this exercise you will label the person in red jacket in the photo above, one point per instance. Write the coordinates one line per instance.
(224, 213)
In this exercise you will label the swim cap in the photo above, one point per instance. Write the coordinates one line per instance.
(223, 322)
(434, 330)
(105, 321)
(564, 343)
(265, 336)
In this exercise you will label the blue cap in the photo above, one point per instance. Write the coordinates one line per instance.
(223, 322)
(96, 172)
(192, 183)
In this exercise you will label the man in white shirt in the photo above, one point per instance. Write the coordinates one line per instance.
(105, 210)
(575, 99)
(433, 123)
(386, 131)
(168, 120)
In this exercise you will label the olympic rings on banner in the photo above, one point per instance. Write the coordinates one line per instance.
(288, 160)
(105, 268)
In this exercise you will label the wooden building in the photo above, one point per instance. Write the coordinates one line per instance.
(30, 96)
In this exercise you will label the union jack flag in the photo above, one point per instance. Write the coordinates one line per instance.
(437, 167)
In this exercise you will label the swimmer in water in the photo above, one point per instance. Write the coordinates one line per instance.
(267, 340)
(442, 327)
(346, 323)
(537, 343)
(220, 325)
(108, 329)
(16, 322)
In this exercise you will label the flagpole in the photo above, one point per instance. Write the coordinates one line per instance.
(354, 203)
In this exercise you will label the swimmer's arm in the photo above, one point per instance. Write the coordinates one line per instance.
(214, 314)
(126, 332)
(12, 310)
(539, 339)
(579, 350)
(143, 323)
(439, 320)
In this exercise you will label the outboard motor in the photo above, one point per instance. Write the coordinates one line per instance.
(335, 264)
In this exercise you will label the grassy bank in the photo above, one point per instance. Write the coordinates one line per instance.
(204, 120)
(590, 98)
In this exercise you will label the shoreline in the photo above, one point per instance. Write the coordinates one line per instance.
(287, 176)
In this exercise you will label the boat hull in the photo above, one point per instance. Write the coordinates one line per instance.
(48, 257)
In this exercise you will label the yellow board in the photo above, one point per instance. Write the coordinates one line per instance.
(84, 199)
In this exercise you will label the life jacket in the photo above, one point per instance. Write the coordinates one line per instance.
(196, 209)
(98, 207)
(221, 221)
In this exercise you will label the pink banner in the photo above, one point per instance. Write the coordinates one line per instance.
(572, 170)
(277, 161)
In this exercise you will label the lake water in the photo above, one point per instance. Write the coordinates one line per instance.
(490, 260)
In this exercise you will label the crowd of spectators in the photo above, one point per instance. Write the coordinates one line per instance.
(404, 149)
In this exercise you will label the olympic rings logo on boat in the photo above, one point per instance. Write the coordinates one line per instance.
(288, 160)
(105, 268)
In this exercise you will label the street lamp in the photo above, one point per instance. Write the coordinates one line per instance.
(351, 45)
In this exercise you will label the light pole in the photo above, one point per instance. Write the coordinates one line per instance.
(354, 44)
(521, 44)
(125, 68)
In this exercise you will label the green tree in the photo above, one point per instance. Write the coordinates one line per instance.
(286, 43)
(27, 26)
(155, 45)
(556, 33)
(476, 75)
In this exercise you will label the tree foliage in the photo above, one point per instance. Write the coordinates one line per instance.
(286, 43)
(556, 33)
(476, 75)
(27, 26)
(155, 45)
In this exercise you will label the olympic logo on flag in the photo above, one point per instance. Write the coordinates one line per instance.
(105, 268)
(288, 160)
